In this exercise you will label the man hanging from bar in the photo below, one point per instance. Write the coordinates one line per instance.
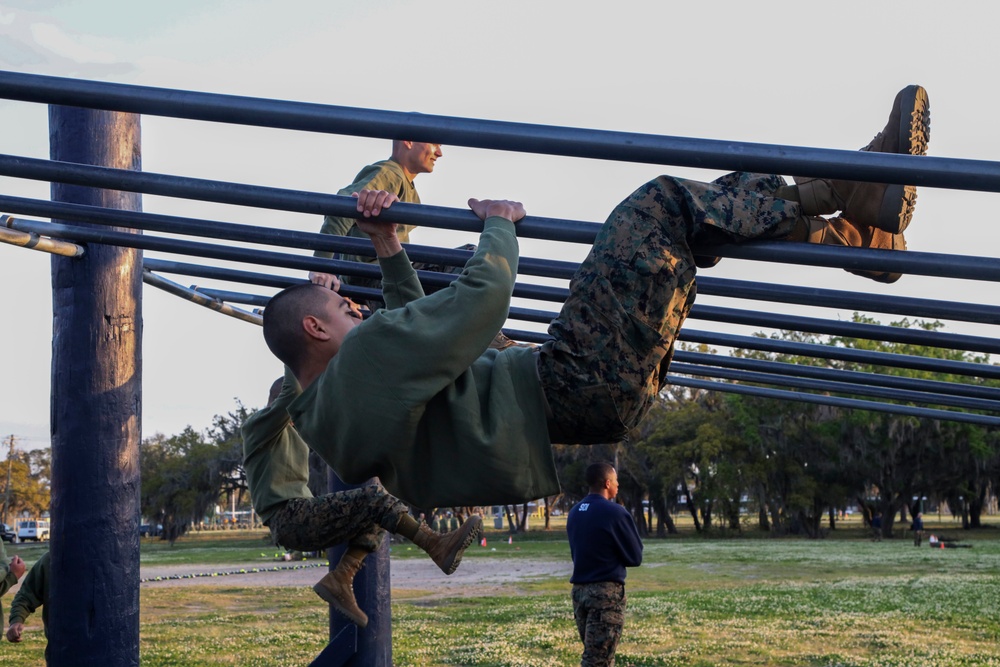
(276, 461)
(412, 395)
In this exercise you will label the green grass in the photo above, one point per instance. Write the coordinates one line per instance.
(840, 602)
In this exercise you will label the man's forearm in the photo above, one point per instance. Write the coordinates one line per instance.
(386, 246)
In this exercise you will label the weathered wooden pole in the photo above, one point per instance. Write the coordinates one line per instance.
(351, 646)
(96, 408)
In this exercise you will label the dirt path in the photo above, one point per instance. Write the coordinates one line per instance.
(410, 577)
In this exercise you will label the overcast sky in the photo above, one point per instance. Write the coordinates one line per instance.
(793, 73)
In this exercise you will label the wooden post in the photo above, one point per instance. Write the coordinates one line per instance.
(93, 602)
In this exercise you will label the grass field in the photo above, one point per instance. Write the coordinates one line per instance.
(842, 601)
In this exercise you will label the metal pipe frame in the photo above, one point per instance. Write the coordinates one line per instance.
(433, 279)
(850, 403)
(538, 267)
(781, 347)
(35, 242)
(836, 387)
(942, 266)
(200, 298)
(840, 375)
(792, 294)
(959, 174)
(916, 307)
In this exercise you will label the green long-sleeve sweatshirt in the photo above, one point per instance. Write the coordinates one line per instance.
(33, 593)
(275, 458)
(415, 397)
(7, 578)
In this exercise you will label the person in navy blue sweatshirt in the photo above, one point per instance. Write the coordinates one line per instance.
(603, 541)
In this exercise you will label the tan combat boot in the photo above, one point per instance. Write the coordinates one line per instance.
(886, 206)
(337, 588)
(446, 550)
(842, 232)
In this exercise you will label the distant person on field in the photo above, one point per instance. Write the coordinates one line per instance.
(918, 529)
(603, 541)
(877, 526)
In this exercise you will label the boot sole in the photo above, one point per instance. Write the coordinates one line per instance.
(332, 600)
(896, 211)
(474, 532)
(914, 135)
(915, 121)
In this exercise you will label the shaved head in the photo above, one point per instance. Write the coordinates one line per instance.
(283, 321)
(597, 474)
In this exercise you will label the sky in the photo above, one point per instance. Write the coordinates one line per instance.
(789, 73)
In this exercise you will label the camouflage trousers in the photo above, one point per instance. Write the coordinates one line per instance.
(599, 610)
(614, 337)
(358, 516)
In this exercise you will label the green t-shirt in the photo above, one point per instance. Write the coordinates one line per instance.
(416, 398)
(386, 175)
(33, 593)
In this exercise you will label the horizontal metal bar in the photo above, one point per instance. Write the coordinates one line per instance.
(34, 241)
(850, 403)
(840, 375)
(964, 267)
(865, 357)
(860, 301)
(836, 387)
(939, 265)
(432, 279)
(889, 334)
(280, 199)
(819, 399)
(255, 234)
(914, 307)
(217, 273)
(258, 300)
(838, 353)
(202, 300)
(524, 137)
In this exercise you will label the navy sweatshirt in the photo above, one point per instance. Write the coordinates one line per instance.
(603, 541)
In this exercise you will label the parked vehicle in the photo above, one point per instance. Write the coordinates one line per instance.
(7, 533)
(150, 530)
(33, 530)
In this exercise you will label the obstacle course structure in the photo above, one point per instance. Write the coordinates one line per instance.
(101, 233)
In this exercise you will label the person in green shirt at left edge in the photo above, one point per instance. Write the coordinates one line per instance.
(9, 571)
(276, 461)
(34, 593)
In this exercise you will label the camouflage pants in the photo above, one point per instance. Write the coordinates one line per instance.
(614, 337)
(599, 610)
(358, 516)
